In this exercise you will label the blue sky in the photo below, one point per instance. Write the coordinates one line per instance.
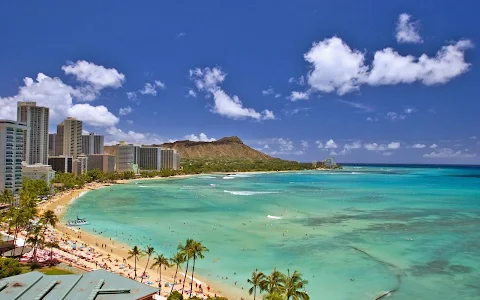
(364, 81)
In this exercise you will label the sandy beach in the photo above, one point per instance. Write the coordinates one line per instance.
(119, 251)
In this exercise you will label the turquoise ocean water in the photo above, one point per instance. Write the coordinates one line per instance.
(353, 233)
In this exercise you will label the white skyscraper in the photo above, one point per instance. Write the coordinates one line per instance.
(36, 136)
(11, 153)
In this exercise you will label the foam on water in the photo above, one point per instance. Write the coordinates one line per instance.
(247, 193)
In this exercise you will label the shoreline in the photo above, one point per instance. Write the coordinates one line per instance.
(118, 250)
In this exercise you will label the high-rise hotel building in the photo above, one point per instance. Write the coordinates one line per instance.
(69, 138)
(92, 144)
(35, 141)
(11, 154)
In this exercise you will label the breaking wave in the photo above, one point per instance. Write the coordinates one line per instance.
(247, 193)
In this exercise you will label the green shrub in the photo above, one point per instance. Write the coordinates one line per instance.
(9, 267)
(175, 296)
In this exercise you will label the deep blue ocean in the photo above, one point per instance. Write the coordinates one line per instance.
(353, 233)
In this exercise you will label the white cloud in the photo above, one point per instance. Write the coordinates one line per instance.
(114, 135)
(433, 146)
(389, 67)
(268, 91)
(191, 93)
(294, 96)
(393, 116)
(419, 146)
(129, 122)
(370, 119)
(58, 96)
(85, 132)
(338, 68)
(410, 110)
(394, 145)
(335, 66)
(319, 144)
(300, 80)
(353, 145)
(387, 153)
(180, 35)
(360, 106)
(266, 147)
(98, 77)
(449, 153)
(407, 31)
(151, 88)
(473, 137)
(304, 144)
(132, 96)
(125, 111)
(330, 144)
(202, 137)
(278, 95)
(208, 80)
(343, 152)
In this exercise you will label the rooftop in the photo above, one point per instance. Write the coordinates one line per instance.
(95, 285)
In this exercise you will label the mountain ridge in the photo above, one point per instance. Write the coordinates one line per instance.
(231, 148)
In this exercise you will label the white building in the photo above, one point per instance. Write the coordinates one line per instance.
(38, 172)
(11, 154)
(35, 142)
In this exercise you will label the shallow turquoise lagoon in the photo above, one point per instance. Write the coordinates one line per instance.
(353, 233)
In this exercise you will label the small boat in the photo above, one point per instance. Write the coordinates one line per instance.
(77, 222)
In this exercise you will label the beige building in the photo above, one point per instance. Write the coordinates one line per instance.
(38, 172)
(69, 138)
(35, 141)
(68, 164)
(11, 154)
(170, 159)
(103, 162)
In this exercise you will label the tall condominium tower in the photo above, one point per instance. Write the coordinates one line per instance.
(36, 137)
(92, 144)
(11, 152)
(69, 138)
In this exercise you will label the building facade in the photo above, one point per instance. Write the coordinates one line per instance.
(69, 138)
(92, 144)
(170, 159)
(11, 154)
(35, 141)
(62, 164)
(38, 172)
(150, 158)
(52, 140)
(103, 162)
(80, 165)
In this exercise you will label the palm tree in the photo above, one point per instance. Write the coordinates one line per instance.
(51, 245)
(274, 296)
(135, 252)
(178, 259)
(158, 261)
(48, 218)
(256, 281)
(187, 251)
(197, 250)
(149, 252)
(36, 240)
(295, 286)
(6, 197)
(273, 282)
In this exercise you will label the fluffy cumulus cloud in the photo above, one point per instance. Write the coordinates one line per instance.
(407, 30)
(343, 152)
(304, 144)
(335, 67)
(125, 111)
(295, 96)
(353, 145)
(281, 146)
(433, 146)
(59, 97)
(449, 153)
(330, 144)
(151, 88)
(202, 137)
(271, 91)
(114, 135)
(98, 77)
(208, 80)
(419, 146)
(382, 147)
